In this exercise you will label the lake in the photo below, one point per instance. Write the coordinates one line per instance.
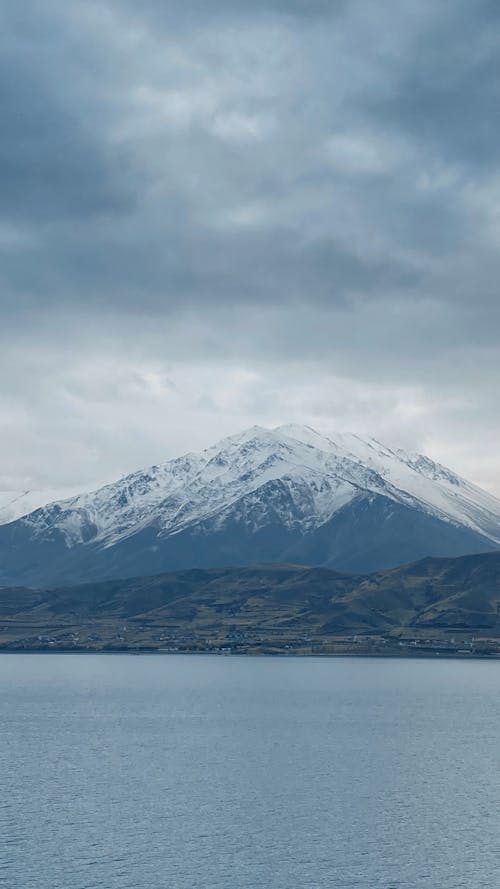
(260, 773)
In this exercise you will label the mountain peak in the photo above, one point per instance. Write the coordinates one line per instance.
(262, 494)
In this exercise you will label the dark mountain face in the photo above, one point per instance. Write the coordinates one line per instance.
(265, 496)
(374, 532)
(368, 534)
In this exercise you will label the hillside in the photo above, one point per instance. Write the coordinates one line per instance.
(266, 607)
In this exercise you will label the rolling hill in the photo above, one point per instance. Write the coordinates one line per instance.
(281, 607)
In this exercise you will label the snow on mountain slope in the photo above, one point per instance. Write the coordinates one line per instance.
(14, 504)
(418, 480)
(321, 475)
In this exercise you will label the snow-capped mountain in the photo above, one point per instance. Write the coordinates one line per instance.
(14, 504)
(285, 494)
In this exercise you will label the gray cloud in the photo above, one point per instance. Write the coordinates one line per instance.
(49, 167)
(193, 12)
(52, 166)
(446, 95)
(227, 213)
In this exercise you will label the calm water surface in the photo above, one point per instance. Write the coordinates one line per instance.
(233, 773)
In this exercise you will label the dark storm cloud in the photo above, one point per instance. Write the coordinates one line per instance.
(279, 184)
(195, 11)
(49, 167)
(447, 95)
(128, 249)
(170, 273)
(53, 165)
(191, 178)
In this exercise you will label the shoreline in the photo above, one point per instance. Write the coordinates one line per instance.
(421, 656)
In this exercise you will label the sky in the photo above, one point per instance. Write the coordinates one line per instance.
(221, 214)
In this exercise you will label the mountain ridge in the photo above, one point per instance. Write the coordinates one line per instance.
(280, 494)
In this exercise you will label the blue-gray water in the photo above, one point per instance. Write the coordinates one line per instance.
(233, 773)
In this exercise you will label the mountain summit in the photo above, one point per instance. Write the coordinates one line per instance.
(287, 494)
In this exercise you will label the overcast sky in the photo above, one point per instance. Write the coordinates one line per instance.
(218, 213)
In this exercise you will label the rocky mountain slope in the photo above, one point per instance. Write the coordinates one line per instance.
(281, 495)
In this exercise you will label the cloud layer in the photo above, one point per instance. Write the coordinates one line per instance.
(232, 213)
